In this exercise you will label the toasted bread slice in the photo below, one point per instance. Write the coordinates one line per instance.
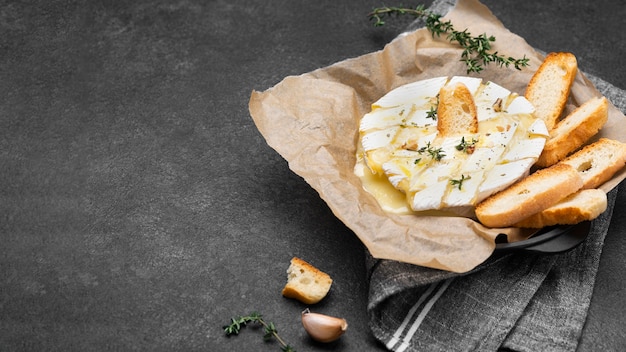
(550, 86)
(305, 282)
(586, 204)
(456, 111)
(529, 196)
(596, 163)
(574, 130)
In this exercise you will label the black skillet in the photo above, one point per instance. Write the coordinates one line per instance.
(553, 239)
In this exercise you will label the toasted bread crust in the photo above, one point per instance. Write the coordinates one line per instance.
(456, 111)
(583, 205)
(305, 282)
(549, 88)
(596, 163)
(574, 130)
(529, 196)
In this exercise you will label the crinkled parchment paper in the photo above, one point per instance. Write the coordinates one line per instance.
(312, 121)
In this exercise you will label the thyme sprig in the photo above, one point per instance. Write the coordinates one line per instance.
(434, 153)
(237, 323)
(476, 49)
(386, 11)
(467, 147)
(459, 183)
(432, 112)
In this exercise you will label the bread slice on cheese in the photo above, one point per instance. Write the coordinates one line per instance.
(532, 194)
(583, 205)
(456, 111)
(597, 162)
(549, 88)
(574, 130)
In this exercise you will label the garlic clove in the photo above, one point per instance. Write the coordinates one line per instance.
(323, 328)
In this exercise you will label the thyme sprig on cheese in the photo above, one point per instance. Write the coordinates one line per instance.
(432, 113)
(467, 147)
(459, 183)
(476, 49)
(434, 153)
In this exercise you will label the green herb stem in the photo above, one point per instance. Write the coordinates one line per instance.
(237, 323)
(476, 49)
(435, 154)
(467, 147)
(459, 183)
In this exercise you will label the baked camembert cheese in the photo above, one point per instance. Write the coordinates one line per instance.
(404, 143)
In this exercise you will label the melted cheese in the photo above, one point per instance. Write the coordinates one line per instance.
(408, 167)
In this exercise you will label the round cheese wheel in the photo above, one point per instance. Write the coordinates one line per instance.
(400, 140)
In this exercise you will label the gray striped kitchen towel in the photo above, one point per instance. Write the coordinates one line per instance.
(516, 302)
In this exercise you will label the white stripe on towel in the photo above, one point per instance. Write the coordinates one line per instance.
(420, 318)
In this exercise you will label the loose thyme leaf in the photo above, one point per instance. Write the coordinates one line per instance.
(476, 53)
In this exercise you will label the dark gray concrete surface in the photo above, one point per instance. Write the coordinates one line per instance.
(139, 206)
